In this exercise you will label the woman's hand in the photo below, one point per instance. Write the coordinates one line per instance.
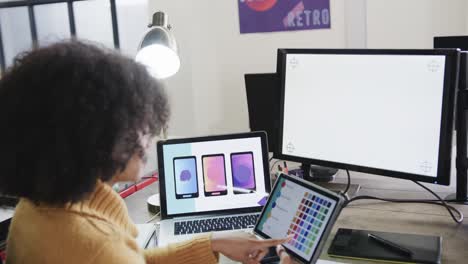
(242, 246)
(284, 257)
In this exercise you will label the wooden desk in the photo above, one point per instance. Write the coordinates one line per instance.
(374, 215)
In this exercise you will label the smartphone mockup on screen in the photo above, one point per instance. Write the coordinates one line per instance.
(185, 175)
(214, 175)
(243, 172)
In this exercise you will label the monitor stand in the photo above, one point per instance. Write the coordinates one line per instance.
(318, 173)
(323, 176)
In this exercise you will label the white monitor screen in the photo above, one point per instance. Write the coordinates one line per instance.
(376, 111)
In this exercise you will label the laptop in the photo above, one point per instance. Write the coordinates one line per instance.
(215, 183)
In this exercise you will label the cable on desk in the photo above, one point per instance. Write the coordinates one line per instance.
(448, 207)
(272, 166)
(439, 201)
(349, 182)
(344, 193)
(153, 217)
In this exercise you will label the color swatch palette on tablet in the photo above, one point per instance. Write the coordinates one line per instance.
(308, 221)
(295, 210)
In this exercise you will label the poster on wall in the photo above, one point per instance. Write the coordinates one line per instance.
(283, 15)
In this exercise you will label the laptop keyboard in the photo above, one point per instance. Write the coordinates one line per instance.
(215, 224)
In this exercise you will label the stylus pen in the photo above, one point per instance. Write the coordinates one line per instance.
(390, 245)
(153, 236)
(242, 190)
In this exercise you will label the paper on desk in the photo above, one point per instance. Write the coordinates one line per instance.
(6, 213)
(145, 232)
(321, 261)
(225, 260)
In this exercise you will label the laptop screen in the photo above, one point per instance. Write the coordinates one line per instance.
(209, 174)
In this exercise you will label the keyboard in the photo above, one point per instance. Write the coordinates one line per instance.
(215, 224)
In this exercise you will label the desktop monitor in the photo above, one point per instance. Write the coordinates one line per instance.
(456, 42)
(448, 42)
(460, 42)
(386, 112)
(263, 98)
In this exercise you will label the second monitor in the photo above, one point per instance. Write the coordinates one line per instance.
(263, 101)
(387, 112)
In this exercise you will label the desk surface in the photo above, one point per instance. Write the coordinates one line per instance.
(374, 215)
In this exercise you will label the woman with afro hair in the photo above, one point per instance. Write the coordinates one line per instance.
(75, 119)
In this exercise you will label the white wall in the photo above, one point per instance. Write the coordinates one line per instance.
(466, 18)
(413, 23)
(356, 23)
(208, 95)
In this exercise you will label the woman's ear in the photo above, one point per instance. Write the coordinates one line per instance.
(131, 172)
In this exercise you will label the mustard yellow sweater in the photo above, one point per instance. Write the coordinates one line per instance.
(97, 230)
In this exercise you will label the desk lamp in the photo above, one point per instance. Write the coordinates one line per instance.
(158, 52)
(158, 48)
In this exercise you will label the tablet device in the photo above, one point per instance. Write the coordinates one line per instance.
(302, 209)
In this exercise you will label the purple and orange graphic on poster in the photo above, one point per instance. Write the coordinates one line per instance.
(275, 15)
